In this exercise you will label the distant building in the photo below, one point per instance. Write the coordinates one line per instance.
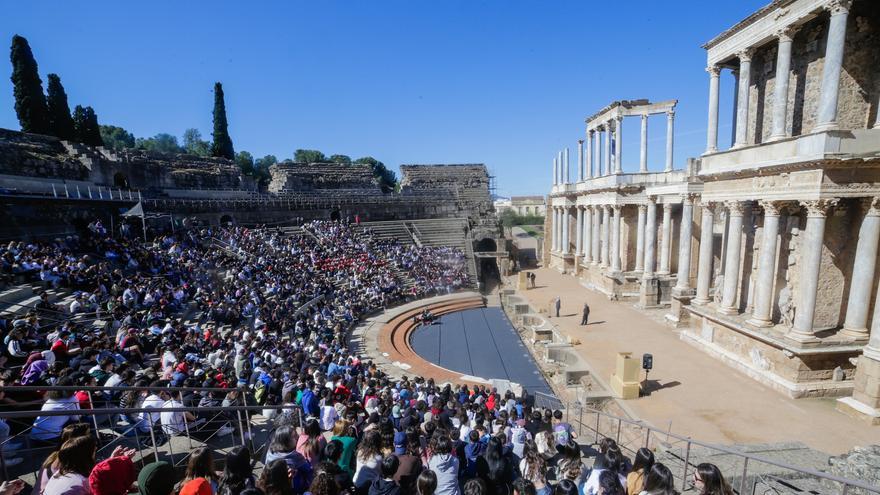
(522, 205)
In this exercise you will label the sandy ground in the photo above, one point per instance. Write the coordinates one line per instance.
(700, 396)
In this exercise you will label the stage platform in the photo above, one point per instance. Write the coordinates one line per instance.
(479, 342)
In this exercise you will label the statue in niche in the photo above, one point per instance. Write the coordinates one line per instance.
(718, 288)
(786, 305)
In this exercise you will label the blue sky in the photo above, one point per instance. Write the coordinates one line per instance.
(506, 83)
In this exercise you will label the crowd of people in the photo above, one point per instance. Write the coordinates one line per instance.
(209, 319)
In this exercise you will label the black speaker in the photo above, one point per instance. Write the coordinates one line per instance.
(647, 361)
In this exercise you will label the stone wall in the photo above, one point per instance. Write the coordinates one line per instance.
(467, 184)
(291, 176)
(35, 155)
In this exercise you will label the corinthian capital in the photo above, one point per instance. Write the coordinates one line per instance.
(836, 7)
(787, 33)
(771, 208)
(735, 208)
(746, 55)
(819, 207)
(713, 70)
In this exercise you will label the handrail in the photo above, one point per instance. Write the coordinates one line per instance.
(847, 482)
(127, 410)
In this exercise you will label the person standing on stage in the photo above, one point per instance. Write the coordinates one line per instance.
(557, 304)
(586, 315)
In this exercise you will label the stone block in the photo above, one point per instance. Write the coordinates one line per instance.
(869, 367)
(866, 399)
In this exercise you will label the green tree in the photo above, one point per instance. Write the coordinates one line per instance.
(387, 179)
(30, 103)
(86, 126)
(60, 122)
(193, 143)
(116, 138)
(265, 162)
(261, 169)
(309, 156)
(160, 143)
(222, 146)
(341, 159)
(245, 162)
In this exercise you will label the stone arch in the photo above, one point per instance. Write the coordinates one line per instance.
(486, 244)
(335, 215)
(226, 220)
(120, 181)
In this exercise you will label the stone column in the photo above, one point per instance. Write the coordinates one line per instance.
(856, 323)
(707, 237)
(780, 88)
(670, 120)
(606, 234)
(597, 155)
(762, 314)
(565, 229)
(553, 223)
(608, 148)
(597, 235)
(712, 136)
(567, 166)
(559, 161)
(640, 239)
(742, 107)
(555, 173)
(580, 160)
(615, 239)
(588, 234)
(643, 148)
(666, 241)
(589, 155)
(731, 262)
(810, 261)
(735, 74)
(872, 350)
(827, 112)
(618, 145)
(684, 243)
(579, 231)
(651, 238)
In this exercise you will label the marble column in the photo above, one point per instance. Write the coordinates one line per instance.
(640, 239)
(553, 222)
(780, 86)
(742, 107)
(735, 211)
(762, 314)
(579, 232)
(615, 239)
(651, 238)
(606, 235)
(684, 243)
(670, 120)
(666, 240)
(712, 136)
(597, 153)
(580, 160)
(810, 261)
(704, 268)
(555, 172)
(561, 165)
(735, 74)
(597, 235)
(831, 67)
(618, 145)
(856, 323)
(608, 148)
(567, 166)
(872, 350)
(588, 234)
(643, 148)
(589, 155)
(565, 229)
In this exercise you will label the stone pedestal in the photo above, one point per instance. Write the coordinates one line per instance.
(649, 293)
(865, 401)
(678, 315)
(522, 282)
(625, 380)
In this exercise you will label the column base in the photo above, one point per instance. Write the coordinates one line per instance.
(760, 323)
(664, 273)
(710, 151)
(776, 137)
(728, 311)
(801, 337)
(857, 334)
(827, 126)
(701, 302)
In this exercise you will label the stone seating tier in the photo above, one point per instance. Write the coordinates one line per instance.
(290, 176)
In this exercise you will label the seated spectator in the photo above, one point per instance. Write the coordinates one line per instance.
(708, 480)
(659, 481)
(385, 484)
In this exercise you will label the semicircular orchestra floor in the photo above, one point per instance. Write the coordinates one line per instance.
(479, 342)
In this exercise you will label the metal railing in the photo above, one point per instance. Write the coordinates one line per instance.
(747, 473)
(217, 428)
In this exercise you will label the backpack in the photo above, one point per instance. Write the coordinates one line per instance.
(260, 393)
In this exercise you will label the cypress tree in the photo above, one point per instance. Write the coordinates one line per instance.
(30, 103)
(222, 145)
(86, 124)
(60, 122)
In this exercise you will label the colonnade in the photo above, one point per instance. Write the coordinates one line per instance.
(598, 229)
(828, 95)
